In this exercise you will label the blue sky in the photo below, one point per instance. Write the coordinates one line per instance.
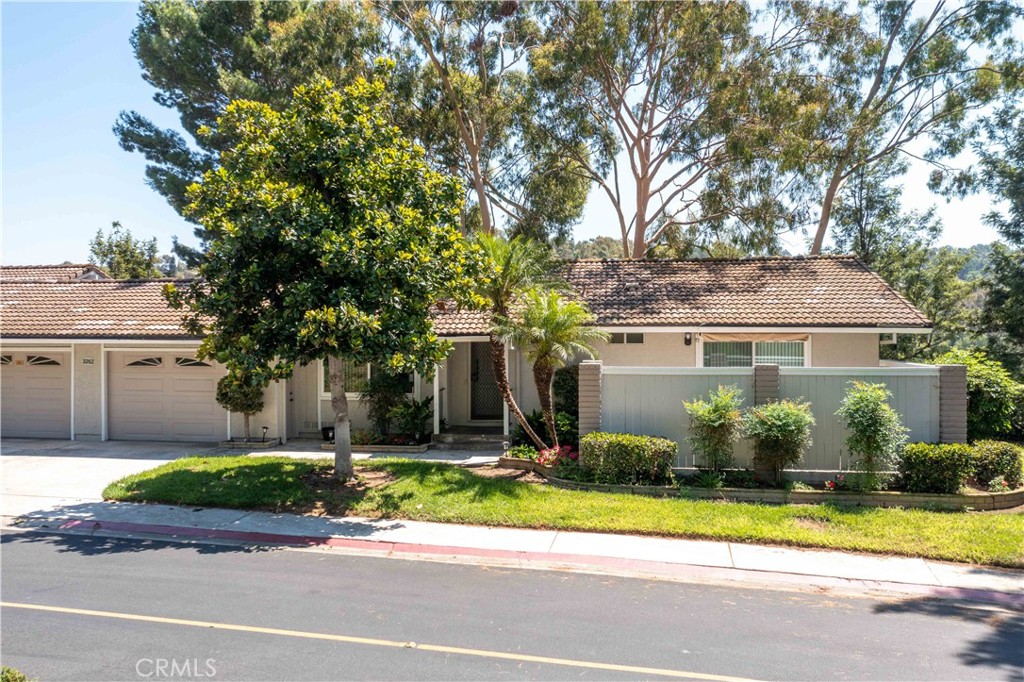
(68, 70)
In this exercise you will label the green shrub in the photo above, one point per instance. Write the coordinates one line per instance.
(383, 393)
(715, 425)
(781, 432)
(998, 460)
(626, 459)
(12, 675)
(875, 433)
(992, 394)
(411, 417)
(740, 478)
(935, 468)
(568, 429)
(566, 389)
(522, 452)
(712, 480)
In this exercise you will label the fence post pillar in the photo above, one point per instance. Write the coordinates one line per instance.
(590, 396)
(766, 389)
(952, 404)
(766, 384)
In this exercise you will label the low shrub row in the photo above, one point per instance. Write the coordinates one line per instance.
(947, 467)
(626, 459)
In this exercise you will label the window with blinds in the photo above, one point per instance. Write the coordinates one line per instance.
(750, 353)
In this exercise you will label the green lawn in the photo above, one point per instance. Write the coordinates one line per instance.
(439, 492)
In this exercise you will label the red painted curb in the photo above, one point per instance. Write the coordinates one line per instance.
(638, 565)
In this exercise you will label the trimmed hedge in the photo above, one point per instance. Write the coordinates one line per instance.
(936, 468)
(996, 459)
(625, 459)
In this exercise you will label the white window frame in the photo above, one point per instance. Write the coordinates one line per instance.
(326, 395)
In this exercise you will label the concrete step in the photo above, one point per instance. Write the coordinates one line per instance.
(475, 447)
(469, 438)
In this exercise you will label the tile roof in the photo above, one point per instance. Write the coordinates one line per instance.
(828, 291)
(50, 273)
(100, 309)
(816, 291)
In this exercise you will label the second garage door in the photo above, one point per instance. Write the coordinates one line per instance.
(164, 396)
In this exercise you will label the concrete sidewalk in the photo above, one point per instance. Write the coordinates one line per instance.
(687, 560)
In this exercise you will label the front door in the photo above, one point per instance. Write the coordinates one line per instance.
(485, 398)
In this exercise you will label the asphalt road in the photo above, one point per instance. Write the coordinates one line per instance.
(227, 612)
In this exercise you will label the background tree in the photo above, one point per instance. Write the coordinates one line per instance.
(679, 112)
(201, 55)
(123, 256)
(899, 76)
(329, 237)
(869, 221)
(475, 110)
(1002, 173)
(552, 330)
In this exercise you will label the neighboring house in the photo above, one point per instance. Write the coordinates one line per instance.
(108, 359)
(67, 272)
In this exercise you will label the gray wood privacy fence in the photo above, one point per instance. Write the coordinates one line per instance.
(649, 401)
(915, 392)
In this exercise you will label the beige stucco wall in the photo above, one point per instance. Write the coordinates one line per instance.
(659, 349)
(87, 366)
(844, 350)
(269, 417)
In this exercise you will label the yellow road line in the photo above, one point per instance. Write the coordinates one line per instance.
(349, 639)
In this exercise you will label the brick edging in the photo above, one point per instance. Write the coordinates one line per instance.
(983, 502)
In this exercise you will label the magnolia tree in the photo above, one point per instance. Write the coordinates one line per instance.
(329, 238)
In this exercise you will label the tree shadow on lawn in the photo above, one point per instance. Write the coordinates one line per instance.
(1002, 649)
(446, 479)
(293, 486)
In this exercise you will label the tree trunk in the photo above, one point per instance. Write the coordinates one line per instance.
(543, 376)
(501, 376)
(245, 420)
(826, 209)
(342, 430)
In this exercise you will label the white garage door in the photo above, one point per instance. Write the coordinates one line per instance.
(163, 396)
(35, 395)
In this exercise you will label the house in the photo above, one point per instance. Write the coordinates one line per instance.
(95, 358)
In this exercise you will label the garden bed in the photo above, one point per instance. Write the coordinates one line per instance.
(240, 444)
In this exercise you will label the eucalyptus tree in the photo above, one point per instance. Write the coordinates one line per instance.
(201, 55)
(329, 238)
(474, 108)
(912, 74)
(682, 113)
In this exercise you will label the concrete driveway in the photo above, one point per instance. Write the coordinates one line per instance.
(45, 474)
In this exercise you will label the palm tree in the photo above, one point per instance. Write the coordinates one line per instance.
(552, 330)
(517, 266)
